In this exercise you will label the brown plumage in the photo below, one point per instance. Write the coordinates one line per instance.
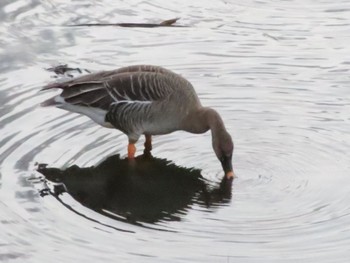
(143, 99)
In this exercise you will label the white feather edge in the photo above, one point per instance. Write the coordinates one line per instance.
(95, 114)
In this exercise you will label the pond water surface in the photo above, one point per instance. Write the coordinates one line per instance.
(278, 73)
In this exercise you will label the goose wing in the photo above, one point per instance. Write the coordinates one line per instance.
(139, 86)
(105, 75)
(126, 85)
(131, 117)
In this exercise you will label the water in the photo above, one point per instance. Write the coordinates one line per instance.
(277, 71)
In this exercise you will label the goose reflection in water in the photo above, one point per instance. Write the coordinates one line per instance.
(148, 189)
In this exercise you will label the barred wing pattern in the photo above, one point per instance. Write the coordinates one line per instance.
(89, 94)
(130, 116)
(105, 75)
(100, 90)
(135, 99)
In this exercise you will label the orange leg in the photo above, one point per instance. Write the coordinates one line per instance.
(148, 144)
(131, 150)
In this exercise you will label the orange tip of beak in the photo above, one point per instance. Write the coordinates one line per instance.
(230, 175)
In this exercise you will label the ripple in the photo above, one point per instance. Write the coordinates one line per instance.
(277, 73)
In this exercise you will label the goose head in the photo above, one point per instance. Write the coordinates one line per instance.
(223, 148)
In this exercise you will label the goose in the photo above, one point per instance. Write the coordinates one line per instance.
(143, 100)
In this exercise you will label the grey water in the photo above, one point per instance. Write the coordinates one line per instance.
(277, 72)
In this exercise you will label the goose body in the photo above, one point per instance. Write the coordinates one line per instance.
(142, 100)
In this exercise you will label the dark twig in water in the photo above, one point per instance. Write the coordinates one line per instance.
(270, 36)
(165, 23)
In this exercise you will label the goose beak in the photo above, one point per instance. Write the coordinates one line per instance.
(226, 162)
(230, 175)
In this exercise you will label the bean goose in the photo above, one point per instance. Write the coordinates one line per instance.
(143, 100)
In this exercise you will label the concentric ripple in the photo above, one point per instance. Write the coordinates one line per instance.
(277, 71)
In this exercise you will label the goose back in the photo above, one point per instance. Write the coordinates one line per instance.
(137, 99)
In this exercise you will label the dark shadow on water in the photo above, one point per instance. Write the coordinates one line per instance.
(146, 190)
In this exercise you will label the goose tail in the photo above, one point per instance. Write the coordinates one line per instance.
(54, 101)
(55, 85)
